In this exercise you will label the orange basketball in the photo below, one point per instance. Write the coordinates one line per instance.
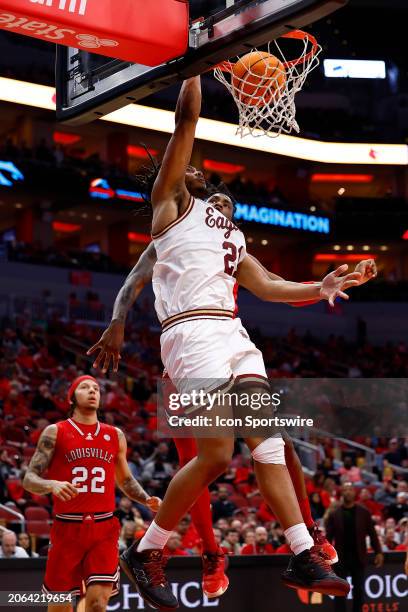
(257, 77)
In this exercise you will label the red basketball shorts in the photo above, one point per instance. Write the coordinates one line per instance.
(82, 552)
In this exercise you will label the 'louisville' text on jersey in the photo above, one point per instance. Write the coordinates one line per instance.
(220, 222)
(86, 453)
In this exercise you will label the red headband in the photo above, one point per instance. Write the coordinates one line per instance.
(77, 382)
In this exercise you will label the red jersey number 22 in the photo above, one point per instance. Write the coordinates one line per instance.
(231, 258)
(86, 482)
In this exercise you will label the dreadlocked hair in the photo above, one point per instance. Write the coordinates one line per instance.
(146, 180)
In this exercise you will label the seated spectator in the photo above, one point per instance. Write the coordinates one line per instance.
(396, 452)
(222, 508)
(366, 500)
(125, 510)
(217, 536)
(42, 400)
(174, 546)
(25, 543)
(230, 545)
(9, 548)
(403, 547)
(127, 535)
(265, 514)
(399, 509)
(283, 549)
(386, 493)
(43, 362)
(157, 475)
(390, 540)
(136, 464)
(316, 507)
(229, 476)
(350, 472)
(249, 488)
(261, 545)
(190, 539)
(276, 535)
(249, 539)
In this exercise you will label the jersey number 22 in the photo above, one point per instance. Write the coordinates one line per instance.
(82, 480)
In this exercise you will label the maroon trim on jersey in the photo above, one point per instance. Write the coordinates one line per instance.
(176, 221)
(187, 315)
(249, 380)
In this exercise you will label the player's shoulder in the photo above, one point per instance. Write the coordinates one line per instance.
(50, 431)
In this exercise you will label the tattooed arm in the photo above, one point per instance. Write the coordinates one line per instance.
(127, 483)
(111, 341)
(39, 464)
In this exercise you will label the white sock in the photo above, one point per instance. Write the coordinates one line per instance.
(155, 537)
(299, 538)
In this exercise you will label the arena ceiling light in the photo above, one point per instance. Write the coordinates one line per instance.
(137, 115)
(341, 178)
(354, 69)
(329, 257)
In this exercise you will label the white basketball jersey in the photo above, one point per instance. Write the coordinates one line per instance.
(197, 259)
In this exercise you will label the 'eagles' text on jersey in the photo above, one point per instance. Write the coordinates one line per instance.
(197, 260)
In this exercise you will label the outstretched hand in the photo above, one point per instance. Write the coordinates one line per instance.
(109, 346)
(334, 284)
(368, 270)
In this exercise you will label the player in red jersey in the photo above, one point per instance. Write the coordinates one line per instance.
(84, 459)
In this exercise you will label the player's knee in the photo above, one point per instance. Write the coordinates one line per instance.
(271, 451)
(218, 462)
(97, 604)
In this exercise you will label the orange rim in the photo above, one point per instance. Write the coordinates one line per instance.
(301, 35)
(227, 66)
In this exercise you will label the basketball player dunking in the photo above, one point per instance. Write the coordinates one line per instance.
(109, 347)
(83, 458)
(199, 253)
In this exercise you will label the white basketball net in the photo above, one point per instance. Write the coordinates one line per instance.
(270, 108)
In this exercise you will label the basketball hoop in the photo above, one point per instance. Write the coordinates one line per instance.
(264, 85)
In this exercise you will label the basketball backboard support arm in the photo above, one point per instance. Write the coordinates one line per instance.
(85, 93)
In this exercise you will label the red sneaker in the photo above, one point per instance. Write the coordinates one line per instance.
(215, 582)
(326, 549)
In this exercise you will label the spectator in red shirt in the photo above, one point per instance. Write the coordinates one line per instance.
(188, 534)
(404, 546)
(174, 546)
(366, 499)
(44, 362)
(261, 545)
(283, 549)
(25, 360)
(265, 514)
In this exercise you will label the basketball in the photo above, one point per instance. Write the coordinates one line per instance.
(257, 77)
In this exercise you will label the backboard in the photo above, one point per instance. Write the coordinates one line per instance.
(90, 86)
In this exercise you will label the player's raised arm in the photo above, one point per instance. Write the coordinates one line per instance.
(40, 461)
(170, 196)
(110, 343)
(127, 483)
(253, 278)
